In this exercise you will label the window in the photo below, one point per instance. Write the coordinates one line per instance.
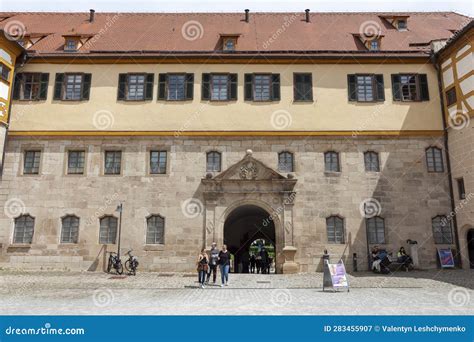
(402, 24)
(176, 87)
(219, 87)
(451, 96)
(75, 162)
(108, 230)
(374, 45)
(442, 230)
(303, 87)
(331, 162)
(434, 159)
(135, 87)
(31, 86)
(4, 72)
(366, 88)
(158, 162)
(70, 229)
(72, 87)
(31, 162)
(262, 87)
(70, 45)
(376, 230)
(461, 188)
(213, 163)
(410, 87)
(229, 44)
(371, 161)
(155, 231)
(113, 162)
(24, 227)
(335, 229)
(285, 162)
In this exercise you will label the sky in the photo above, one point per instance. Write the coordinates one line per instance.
(461, 6)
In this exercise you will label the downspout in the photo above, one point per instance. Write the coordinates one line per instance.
(434, 60)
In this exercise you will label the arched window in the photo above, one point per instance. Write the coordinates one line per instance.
(376, 229)
(442, 232)
(70, 229)
(213, 161)
(331, 162)
(335, 229)
(285, 161)
(24, 227)
(155, 230)
(108, 230)
(434, 159)
(371, 161)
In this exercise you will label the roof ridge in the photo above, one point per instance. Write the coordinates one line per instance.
(239, 12)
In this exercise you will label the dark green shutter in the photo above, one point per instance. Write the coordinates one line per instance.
(233, 87)
(248, 91)
(297, 81)
(380, 88)
(44, 80)
(86, 86)
(206, 87)
(122, 84)
(162, 87)
(396, 90)
(352, 87)
(275, 87)
(423, 81)
(189, 86)
(58, 86)
(16, 86)
(149, 79)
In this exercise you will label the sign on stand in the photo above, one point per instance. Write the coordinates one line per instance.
(446, 258)
(334, 276)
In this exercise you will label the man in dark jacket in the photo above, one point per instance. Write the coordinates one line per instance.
(213, 260)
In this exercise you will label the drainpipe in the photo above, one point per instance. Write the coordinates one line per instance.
(434, 60)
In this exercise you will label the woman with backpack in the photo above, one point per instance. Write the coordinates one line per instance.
(202, 267)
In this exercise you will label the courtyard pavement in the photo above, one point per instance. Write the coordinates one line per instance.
(446, 292)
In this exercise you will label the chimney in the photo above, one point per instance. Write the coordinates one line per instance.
(247, 15)
(91, 16)
(307, 15)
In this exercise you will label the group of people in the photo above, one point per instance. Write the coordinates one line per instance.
(207, 264)
(260, 263)
(381, 261)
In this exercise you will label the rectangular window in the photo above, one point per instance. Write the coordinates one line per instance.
(24, 227)
(461, 189)
(262, 87)
(335, 229)
(4, 72)
(113, 162)
(176, 87)
(70, 229)
(303, 87)
(442, 233)
(70, 45)
(31, 86)
(219, 87)
(158, 162)
(31, 162)
(374, 45)
(136, 87)
(376, 230)
(451, 96)
(72, 87)
(155, 230)
(331, 162)
(366, 88)
(410, 87)
(371, 160)
(75, 162)
(108, 230)
(434, 159)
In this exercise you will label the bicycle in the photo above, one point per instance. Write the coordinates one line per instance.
(131, 264)
(114, 262)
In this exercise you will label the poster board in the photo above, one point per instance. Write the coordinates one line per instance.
(335, 276)
(446, 258)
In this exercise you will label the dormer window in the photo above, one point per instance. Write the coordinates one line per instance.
(71, 45)
(229, 44)
(374, 44)
(229, 41)
(400, 22)
(402, 25)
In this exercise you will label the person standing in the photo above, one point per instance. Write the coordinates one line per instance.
(213, 259)
(202, 266)
(224, 265)
(252, 263)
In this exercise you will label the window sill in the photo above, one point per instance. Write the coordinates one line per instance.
(18, 248)
(157, 247)
(332, 173)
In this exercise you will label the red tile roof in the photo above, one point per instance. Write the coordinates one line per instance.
(199, 33)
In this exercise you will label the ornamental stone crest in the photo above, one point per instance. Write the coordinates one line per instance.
(248, 170)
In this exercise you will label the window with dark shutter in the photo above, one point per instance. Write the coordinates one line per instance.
(162, 86)
(396, 90)
(58, 87)
(302, 87)
(410, 87)
(122, 86)
(248, 87)
(233, 87)
(352, 87)
(275, 87)
(189, 86)
(150, 78)
(86, 86)
(31, 86)
(44, 81)
(206, 87)
(380, 87)
(366, 88)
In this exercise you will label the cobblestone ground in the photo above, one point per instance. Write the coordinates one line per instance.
(417, 292)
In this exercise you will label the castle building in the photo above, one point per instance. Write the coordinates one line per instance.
(311, 131)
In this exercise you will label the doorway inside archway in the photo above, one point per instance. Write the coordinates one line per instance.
(470, 247)
(243, 227)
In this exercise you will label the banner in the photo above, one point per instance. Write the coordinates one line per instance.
(446, 258)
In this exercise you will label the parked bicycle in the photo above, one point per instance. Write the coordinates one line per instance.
(132, 263)
(115, 263)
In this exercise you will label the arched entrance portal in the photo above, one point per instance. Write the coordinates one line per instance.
(470, 247)
(243, 226)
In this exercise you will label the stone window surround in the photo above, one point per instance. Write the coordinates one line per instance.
(149, 149)
(339, 158)
(24, 149)
(12, 237)
(293, 160)
(344, 238)
(60, 242)
(112, 149)
(222, 167)
(154, 246)
(442, 160)
(66, 160)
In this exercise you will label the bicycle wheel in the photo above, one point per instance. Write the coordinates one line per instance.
(128, 267)
(119, 267)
